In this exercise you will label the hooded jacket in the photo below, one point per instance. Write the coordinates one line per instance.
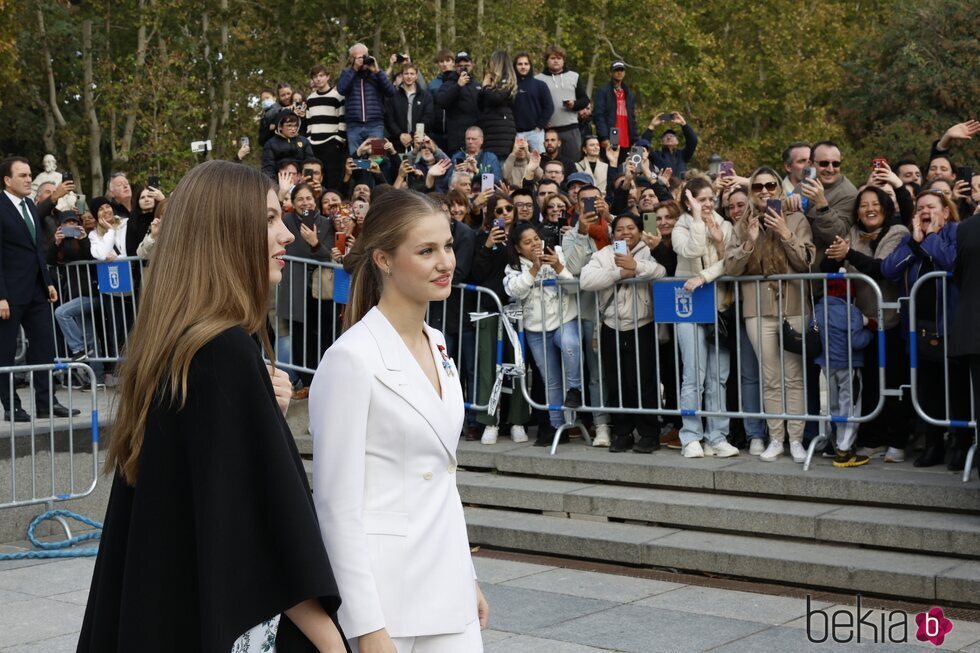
(396, 113)
(566, 85)
(604, 113)
(835, 317)
(279, 148)
(533, 106)
(616, 304)
(530, 292)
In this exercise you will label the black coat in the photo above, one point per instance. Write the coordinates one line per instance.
(396, 114)
(23, 269)
(220, 532)
(964, 337)
(279, 148)
(444, 316)
(462, 108)
(497, 121)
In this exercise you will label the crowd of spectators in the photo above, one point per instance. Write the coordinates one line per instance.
(543, 182)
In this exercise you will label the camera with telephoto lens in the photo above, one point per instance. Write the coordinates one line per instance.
(369, 60)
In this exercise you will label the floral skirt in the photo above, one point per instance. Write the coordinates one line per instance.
(261, 639)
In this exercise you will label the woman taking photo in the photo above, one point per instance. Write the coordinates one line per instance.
(385, 413)
(210, 540)
(700, 239)
(550, 320)
(768, 242)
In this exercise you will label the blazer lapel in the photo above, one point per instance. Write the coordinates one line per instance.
(403, 376)
(14, 212)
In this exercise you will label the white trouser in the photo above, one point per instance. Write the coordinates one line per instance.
(468, 641)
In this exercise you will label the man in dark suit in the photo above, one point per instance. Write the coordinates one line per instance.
(25, 291)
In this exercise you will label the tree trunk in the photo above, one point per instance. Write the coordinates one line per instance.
(88, 103)
(451, 23)
(206, 48)
(130, 126)
(376, 46)
(225, 77)
(479, 17)
(437, 4)
(53, 117)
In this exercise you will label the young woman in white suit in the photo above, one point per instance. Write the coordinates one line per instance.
(386, 410)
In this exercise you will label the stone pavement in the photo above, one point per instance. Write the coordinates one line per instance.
(536, 607)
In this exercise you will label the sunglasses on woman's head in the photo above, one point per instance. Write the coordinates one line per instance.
(828, 164)
(769, 186)
(500, 210)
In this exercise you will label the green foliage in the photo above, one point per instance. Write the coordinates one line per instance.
(874, 74)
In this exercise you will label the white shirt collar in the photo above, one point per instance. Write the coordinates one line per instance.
(13, 198)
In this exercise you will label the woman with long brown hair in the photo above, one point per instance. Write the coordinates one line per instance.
(210, 540)
(386, 408)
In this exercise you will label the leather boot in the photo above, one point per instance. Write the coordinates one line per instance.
(935, 452)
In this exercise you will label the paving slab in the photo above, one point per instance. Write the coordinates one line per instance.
(791, 640)
(731, 604)
(641, 629)
(37, 619)
(60, 644)
(528, 644)
(589, 584)
(49, 579)
(519, 610)
(495, 570)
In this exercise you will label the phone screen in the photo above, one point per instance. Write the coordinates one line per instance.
(420, 130)
(589, 204)
(362, 164)
(965, 173)
(71, 232)
(667, 117)
(650, 223)
(153, 181)
(244, 141)
(308, 173)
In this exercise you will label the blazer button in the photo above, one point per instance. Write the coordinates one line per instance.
(452, 469)
(427, 476)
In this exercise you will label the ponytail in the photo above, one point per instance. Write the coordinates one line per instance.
(386, 225)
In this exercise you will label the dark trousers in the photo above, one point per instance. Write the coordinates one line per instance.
(933, 386)
(333, 155)
(36, 320)
(891, 427)
(634, 385)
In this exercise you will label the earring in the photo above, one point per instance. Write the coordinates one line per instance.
(389, 272)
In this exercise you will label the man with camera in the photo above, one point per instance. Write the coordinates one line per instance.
(364, 86)
(668, 156)
(457, 95)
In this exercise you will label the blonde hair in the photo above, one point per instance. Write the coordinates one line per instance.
(210, 272)
(501, 68)
(385, 227)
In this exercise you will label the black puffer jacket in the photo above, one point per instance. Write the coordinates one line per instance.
(497, 121)
(462, 108)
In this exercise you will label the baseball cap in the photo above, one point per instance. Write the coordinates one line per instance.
(463, 56)
(579, 178)
(617, 65)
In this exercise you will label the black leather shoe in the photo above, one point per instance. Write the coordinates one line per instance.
(546, 435)
(20, 415)
(621, 443)
(933, 455)
(58, 410)
(647, 444)
(957, 460)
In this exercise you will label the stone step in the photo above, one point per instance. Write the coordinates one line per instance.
(878, 483)
(883, 573)
(872, 526)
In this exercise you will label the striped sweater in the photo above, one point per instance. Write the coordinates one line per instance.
(325, 117)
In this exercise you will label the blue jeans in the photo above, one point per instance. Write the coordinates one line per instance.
(464, 356)
(564, 354)
(70, 316)
(705, 371)
(284, 354)
(358, 132)
(596, 397)
(748, 368)
(534, 138)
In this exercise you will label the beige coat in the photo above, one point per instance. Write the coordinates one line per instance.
(617, 304)
(698, 255)
(799, 253)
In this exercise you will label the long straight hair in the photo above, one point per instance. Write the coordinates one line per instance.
(386, 225)
(502, 69)
(209, 272)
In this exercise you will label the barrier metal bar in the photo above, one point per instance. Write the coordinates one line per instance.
(615, 404)
(943, 278)
(18, 431)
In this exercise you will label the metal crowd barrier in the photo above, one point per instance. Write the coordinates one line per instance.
(698, 309)
(35, 450)
(939, 334)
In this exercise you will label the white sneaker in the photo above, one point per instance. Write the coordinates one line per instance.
(517, 434)
(772, 452)
(873, 452)
(490, 434)
(692, 450)
(756, 446)
(797, 451)
(723, 449)
(895, 455)
(602, 436)
(708, 449)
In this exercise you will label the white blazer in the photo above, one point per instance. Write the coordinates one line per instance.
(384, 484)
